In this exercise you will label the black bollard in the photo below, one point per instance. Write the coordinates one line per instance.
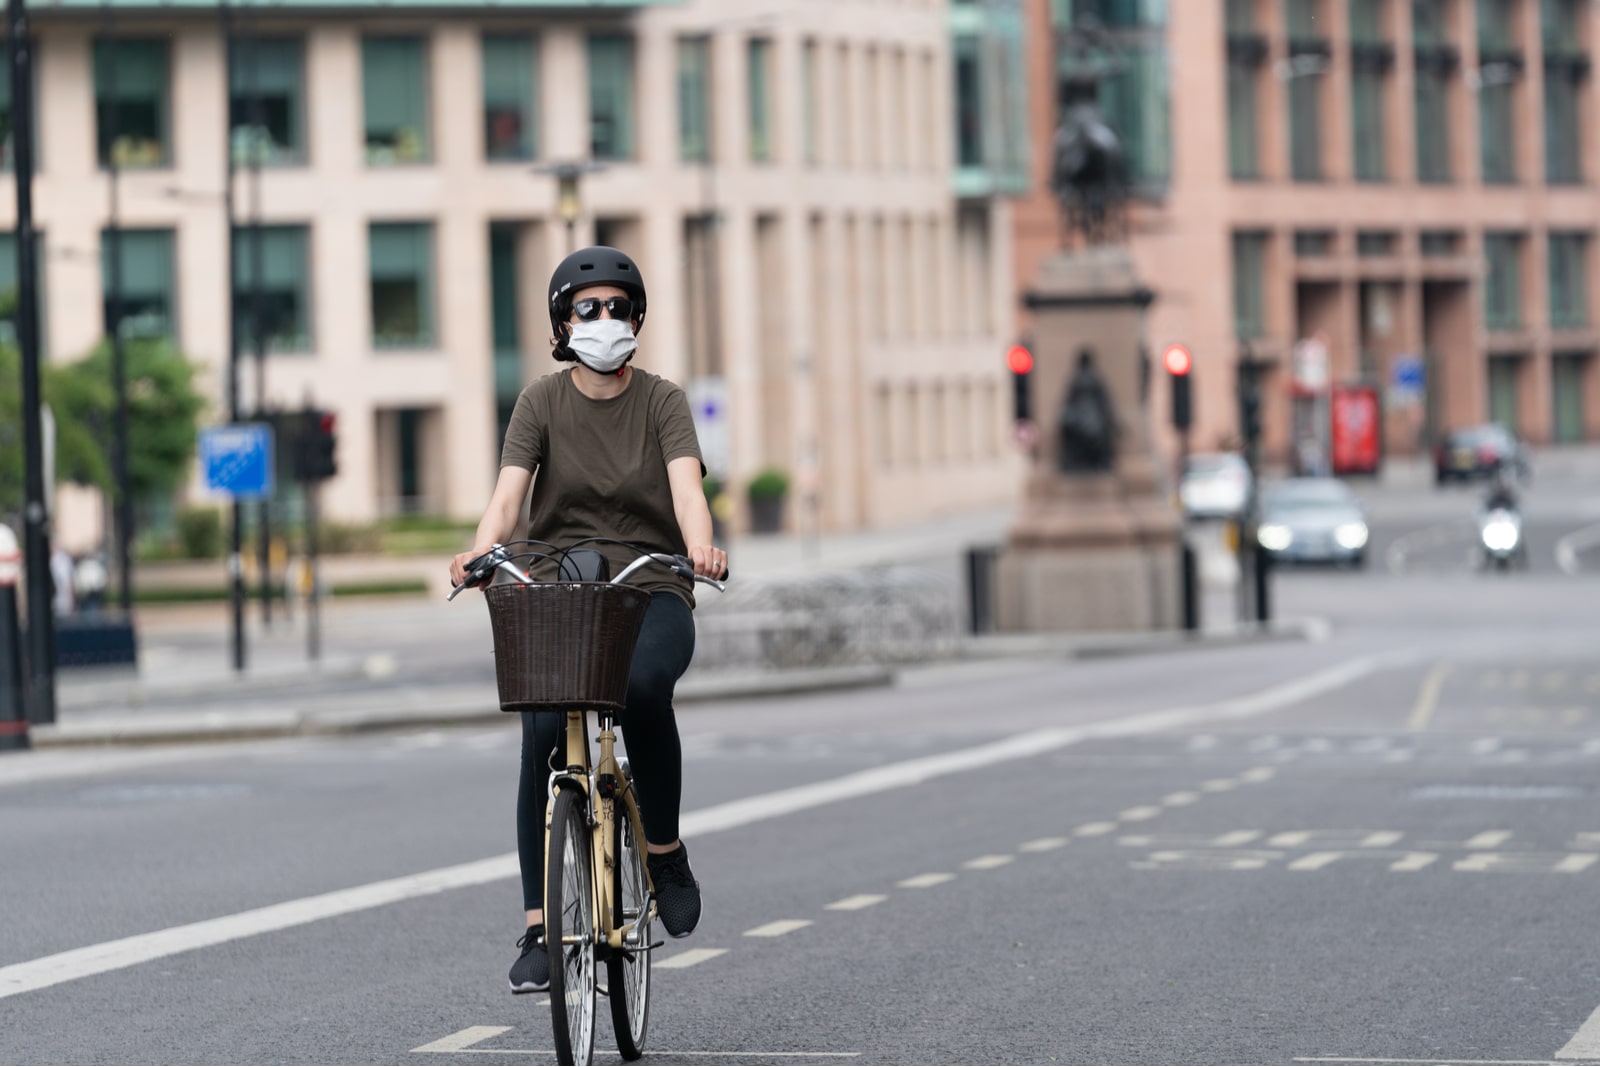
(1263, 600)
(1191, 592)
(13, 710)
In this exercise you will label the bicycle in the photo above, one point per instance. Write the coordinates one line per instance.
(593, 912)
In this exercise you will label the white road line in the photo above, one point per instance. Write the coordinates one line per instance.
(1428, 698)
(1095, 829)
(926, 881)
(1488, 841)
(1382, 839)
(1585, 1044)
(857, 902)
(1140, 814)
(1179, 800)
(987, 863)
(1576, 862)
(1485, 745)
(1235, 838)
(698, 1055)
(1042, 844)
(1573, 544)
(462, 1040)
(1413, 861)
(1259, 774)
(1315, 861)
(1219, 785)
(125, 952)
(778, 928)
(689, 958)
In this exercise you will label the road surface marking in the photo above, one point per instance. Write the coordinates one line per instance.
(1382, 839)
(1488, 840)
(1573, 544)
(1576, 862)
(690, 958)
(1555, 680)
(1521, 679)
(1219, 785)
(1585, 1044)
(778, 928)
(1413, 861)
(987, 863)
(1236, 838)
(1315, 861)
(1391, 1059)
(1485, 745)
(857, 902)
(462, 1040)
(1428, 698)
(926, 881)
(1095, 829)
(1178, 800)
(1042, 844)
(107, 956)
(1292, 839)
(1139, 814)
(692, 1055)
(1262, 774)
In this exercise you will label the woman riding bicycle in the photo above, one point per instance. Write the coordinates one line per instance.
(616, 456)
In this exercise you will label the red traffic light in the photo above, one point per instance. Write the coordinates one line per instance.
(327, 422)
(1177, 360)
(1019, 359)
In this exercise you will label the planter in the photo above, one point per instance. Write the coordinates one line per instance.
(766, 514)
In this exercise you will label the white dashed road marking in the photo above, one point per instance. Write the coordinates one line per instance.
(778, 928)
(857, 902)
(926, 881)
(1043, 844)
(690, 958)
(1095, 829)
(987, 863)
(462, 1040)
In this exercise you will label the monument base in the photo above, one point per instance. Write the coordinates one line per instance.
(1088, 556)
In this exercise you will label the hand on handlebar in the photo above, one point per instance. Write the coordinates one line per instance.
(709, 561)
(459, 564)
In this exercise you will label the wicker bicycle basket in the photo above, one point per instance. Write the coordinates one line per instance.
(564, 646)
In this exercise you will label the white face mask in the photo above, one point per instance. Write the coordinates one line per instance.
(603, 345)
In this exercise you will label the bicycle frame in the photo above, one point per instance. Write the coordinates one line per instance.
(603, 784)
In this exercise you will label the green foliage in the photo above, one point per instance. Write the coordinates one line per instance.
(769, 483)
(163, 418)
(712, 486)
(200, 533)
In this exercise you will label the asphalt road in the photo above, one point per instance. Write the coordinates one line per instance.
(1381, 847)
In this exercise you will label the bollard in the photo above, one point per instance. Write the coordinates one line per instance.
(1263, 586)
(1191, 592)
(13, 712)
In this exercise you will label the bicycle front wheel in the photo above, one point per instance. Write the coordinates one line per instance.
(628, 971)
(569, 929)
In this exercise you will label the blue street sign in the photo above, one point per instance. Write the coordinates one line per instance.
(237, 460)
(1407, 374)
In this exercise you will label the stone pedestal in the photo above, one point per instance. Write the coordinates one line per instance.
(1091, 551)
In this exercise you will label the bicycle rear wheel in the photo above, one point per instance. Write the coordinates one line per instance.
(569, 929)
(628, 971)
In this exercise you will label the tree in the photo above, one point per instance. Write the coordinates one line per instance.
(163, 419)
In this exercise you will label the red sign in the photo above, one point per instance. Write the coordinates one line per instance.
(1355, 417)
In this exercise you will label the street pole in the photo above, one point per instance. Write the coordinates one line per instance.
(41, 686)
(236, 537)
(119, 355)
(257, 314)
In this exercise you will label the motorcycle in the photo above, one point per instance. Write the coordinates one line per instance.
(1500, 535)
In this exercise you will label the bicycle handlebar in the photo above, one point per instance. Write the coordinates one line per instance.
(482, 567)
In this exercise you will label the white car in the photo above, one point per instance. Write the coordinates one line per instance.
(1216, 485)
(1313, 520)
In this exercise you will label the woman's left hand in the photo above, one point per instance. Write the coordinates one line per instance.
(709, 561)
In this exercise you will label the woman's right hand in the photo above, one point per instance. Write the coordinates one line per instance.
(458, 565)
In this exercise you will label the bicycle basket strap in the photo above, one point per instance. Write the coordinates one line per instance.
(564, 646)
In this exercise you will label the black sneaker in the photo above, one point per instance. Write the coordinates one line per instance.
(677, 893)
(531, 972)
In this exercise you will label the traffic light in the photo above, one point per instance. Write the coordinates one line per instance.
(318, 443)
(1178, 362)
(1019, 360)
(1250, 412)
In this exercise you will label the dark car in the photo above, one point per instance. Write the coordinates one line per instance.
(1477, 452)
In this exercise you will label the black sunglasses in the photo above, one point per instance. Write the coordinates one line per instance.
(588, 309)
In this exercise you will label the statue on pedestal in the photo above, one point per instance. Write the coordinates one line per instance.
(1089, 174)
(1087, 423)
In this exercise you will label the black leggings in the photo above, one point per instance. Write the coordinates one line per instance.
(649, 730)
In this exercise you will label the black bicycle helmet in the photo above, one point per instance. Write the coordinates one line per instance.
(597, 265)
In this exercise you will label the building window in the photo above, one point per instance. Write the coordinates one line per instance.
(1569, 281)
(809, 87)
(760, 74)
(147, 283)
(394, 86)
(1247, 53)
(694, 99)
(8, 285)
(268, 74)
(1249, 284)
(1136, 104)
(400, 272)
(1308, 59)
(1436, 63)
(1437, 243)
(1504, 372)
(610, 96)
(285, 289)
(969, 103)
(1377, 243)
(1569, 372)
(1499, 70)
(1371, 59)
(1311, 243)
(510, 98)
(131, 99)
(1566, 66)
(1502, 288)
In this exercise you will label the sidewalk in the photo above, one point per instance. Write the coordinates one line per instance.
(185, 689)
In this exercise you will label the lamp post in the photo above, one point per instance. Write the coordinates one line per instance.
(119, 363)
(569, 207)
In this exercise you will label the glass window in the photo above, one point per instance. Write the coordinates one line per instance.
(1496, 139)
(285, 288)
(694, 99)
(1560, 26)
(1249, 284)
(1244, 149)
(760, 73)
(1502, 289)
(1305, 127)
(1569, 281)
(147, 306)
(1496, 25)
(1367, 118)
(1563, 132)
(1366, 22)
(1240, 16)
(268, 73)
(610, 96)
(1433, 126)
(1137, 106)
(1301, 16)
(1504, 371)
(1313, 242)
(1377, 243)
(131, 100)
(1440, 242)
(1112, 13)
(400, 268)
(808, 102)
(510, 98)
(1568, 378)
(1430, 26)
(394, 84)
(969, 103)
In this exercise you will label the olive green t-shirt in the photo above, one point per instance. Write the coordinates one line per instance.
(600, 469)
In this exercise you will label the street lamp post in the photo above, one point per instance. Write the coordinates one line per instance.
(569, 206)
(236, 532)
(119, 362)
